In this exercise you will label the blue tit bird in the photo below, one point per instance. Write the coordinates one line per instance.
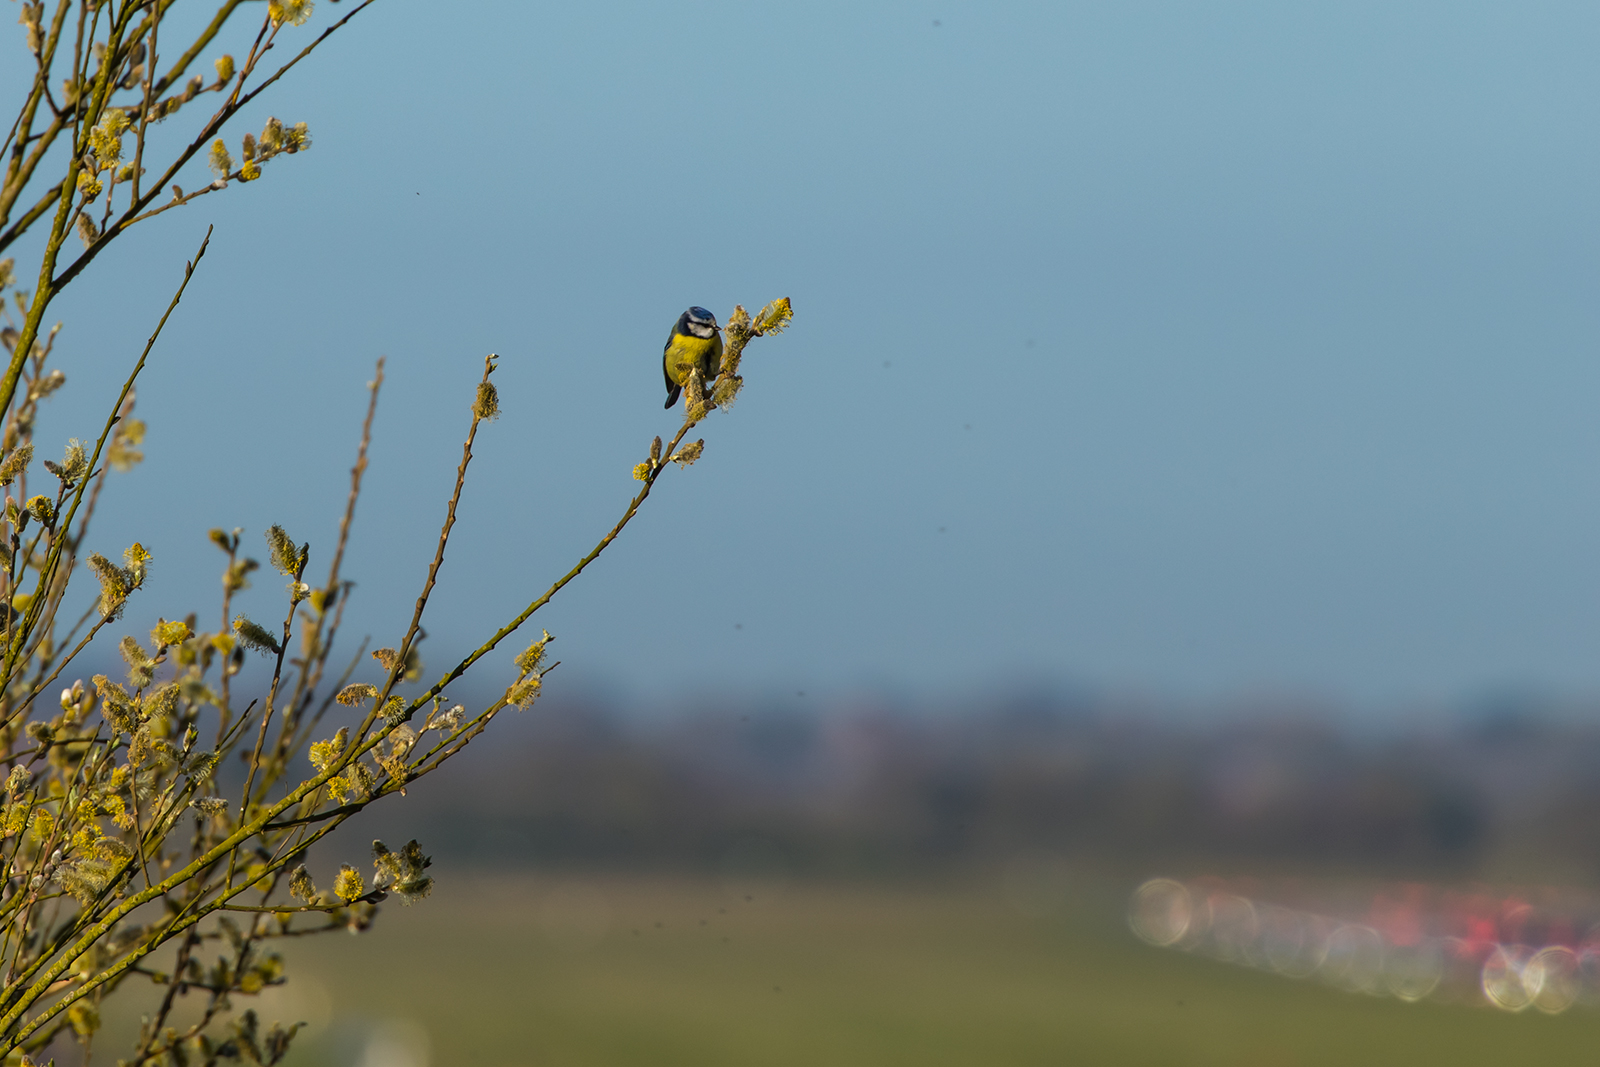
(696, 341)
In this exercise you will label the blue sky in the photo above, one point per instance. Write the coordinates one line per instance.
(1201, 350)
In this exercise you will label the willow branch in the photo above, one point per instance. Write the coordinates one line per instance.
(64, 524)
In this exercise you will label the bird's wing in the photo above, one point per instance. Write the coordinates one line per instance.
(673, 389)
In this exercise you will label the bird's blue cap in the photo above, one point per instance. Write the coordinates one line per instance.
(700, 314)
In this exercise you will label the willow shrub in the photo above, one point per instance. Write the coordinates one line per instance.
(121, 858)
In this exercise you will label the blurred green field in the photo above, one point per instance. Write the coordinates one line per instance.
(655, 970)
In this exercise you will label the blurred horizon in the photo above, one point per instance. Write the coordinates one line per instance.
(878, 789)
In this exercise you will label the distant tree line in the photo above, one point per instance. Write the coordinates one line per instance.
(880, 791)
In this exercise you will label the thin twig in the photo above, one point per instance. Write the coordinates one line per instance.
(511, 627)
(209, 131)
(438, 555)
(64, 524)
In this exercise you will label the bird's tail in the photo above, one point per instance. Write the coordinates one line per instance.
(672, 396)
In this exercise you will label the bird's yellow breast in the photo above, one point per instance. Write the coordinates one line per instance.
(702, 352)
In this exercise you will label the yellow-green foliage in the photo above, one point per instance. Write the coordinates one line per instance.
(116, 838)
